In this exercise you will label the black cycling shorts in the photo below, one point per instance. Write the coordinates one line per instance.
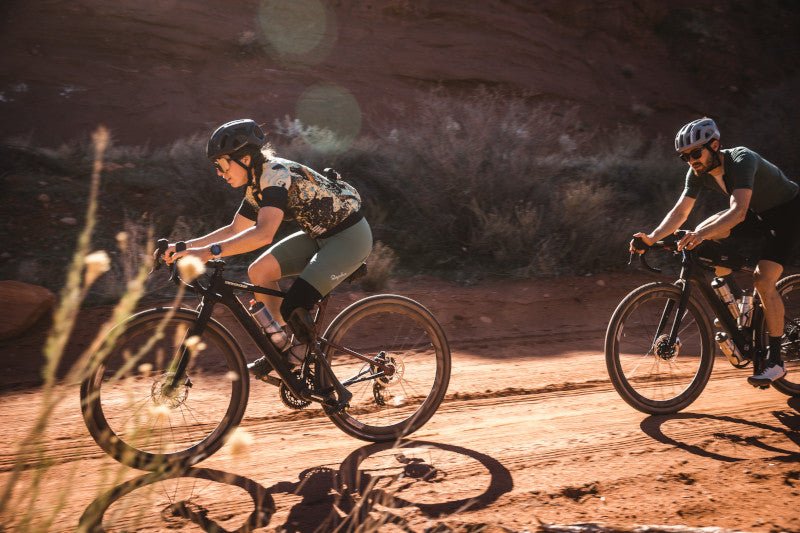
(777, 229)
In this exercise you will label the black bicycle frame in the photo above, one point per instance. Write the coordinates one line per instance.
(691, 275)
(222, 291)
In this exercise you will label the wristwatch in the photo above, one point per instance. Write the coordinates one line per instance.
(216, 250)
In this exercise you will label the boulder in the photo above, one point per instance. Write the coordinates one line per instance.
(21, 305)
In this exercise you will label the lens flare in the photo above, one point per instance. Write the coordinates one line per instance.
(333, 114)
(297, 30)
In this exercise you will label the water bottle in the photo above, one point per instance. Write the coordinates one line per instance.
(728, 348)
(745, 311)
(725, 294)
(276, 334)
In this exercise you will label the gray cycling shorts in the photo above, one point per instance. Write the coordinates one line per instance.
(324, 263)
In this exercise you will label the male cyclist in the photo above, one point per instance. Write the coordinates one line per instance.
(334, 241)
(760, 196)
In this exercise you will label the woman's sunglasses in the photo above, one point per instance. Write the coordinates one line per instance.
(222, 164)
(694, 154)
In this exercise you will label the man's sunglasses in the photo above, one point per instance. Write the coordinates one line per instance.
(694, 154)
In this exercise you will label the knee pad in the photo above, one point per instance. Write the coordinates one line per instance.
(297, 303)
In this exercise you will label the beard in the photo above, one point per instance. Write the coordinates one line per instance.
(714, 161)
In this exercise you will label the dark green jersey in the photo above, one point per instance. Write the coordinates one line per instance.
(317, 203)
(745, 169)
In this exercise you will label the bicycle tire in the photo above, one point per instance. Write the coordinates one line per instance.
(791, 335)
(631, 389)
(395, 312)
(101, 398)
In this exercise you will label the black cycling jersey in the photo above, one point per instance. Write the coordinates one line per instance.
(745, 169)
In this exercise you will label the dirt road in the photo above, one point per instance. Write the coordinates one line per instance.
(531, 432)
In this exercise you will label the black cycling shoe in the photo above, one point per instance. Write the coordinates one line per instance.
(260, 368)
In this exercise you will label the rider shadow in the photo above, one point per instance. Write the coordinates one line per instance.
(345, 500)
(653, 427)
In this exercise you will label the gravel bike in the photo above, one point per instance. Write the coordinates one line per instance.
(174, 383)
(660, 343)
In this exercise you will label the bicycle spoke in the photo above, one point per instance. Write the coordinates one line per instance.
(150, 419)
(403, 338)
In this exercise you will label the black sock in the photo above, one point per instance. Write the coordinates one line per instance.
(774, 350)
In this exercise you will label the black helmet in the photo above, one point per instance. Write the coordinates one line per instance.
(233, 136)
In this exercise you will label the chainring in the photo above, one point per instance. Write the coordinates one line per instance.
(289, 399)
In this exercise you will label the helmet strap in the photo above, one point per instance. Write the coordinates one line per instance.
(716, 159)
(248, 168)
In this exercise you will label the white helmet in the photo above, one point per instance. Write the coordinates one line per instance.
(696, 134)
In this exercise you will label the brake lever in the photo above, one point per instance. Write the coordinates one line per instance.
(158, 253)
(179, 247)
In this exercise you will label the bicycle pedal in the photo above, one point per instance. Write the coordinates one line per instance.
(271, 380)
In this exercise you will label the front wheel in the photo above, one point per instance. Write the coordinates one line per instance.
(404, 336)
(133, 412)
(651, 373)
(789, 290)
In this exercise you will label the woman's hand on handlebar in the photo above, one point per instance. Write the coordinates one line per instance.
(635, 248)
(167, 256)
(203, 254)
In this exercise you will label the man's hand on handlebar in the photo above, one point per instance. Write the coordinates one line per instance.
(690, 240)
(636, 244)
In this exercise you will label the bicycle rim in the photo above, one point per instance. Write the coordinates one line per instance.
(137, 419)
(405, 336)
(649, 373)
(789, 289)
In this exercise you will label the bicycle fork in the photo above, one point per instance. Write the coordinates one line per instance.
(667, 348)
(180, 362)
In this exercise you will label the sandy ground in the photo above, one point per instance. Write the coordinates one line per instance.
(531, 432)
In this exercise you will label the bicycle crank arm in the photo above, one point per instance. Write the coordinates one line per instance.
(342, 393)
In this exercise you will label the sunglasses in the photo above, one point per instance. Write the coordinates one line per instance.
(694, 154)
(222, 164)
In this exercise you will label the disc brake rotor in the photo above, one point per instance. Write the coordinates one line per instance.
(664, 349)
(161, 395)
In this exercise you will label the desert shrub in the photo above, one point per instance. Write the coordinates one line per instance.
(380, 267)
(486, 183)
(466, 185)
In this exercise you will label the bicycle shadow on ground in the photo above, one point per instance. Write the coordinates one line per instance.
(724, 433)
(405, 474)
(179, 509)
(371, 488)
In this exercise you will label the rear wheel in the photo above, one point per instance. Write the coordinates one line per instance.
(133, 414)
(403, 335)
(650, 373)
(789, 290)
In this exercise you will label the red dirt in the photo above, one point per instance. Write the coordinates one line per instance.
(531, 431)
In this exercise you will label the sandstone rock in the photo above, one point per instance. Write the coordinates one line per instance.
(21, 305)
